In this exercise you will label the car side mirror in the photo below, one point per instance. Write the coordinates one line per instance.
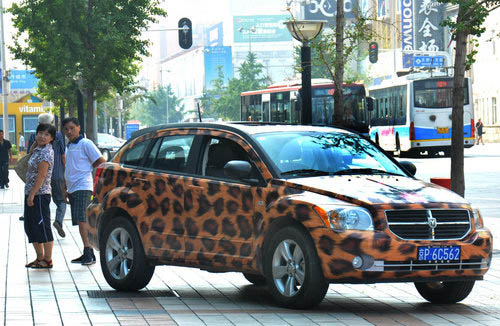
(409, 167)
(238, 170)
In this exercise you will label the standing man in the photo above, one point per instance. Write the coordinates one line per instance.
(479, 132)
(21, 143)
(5, 158)
(57, 179)
(81, 157)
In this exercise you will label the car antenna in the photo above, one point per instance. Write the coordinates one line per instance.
(199, 111)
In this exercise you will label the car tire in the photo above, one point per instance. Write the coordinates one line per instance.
(444, 292)
(122, 257)
(293, 269)
(106, 154)
(255, 279)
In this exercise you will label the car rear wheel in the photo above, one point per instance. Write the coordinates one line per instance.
(293, 269)
(255, 279)
(122, 257)
(444, 292)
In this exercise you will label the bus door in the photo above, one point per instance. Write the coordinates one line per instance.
(266, 98)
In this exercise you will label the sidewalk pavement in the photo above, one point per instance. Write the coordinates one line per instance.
(72, 294)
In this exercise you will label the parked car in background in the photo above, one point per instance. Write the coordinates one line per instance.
(109, 145)
(291, 207)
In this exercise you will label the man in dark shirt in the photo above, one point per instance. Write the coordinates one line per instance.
(5, 157)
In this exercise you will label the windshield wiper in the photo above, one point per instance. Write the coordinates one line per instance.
(307, 171)
(365, 171)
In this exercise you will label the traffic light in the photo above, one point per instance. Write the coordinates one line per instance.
(185, 33)
(373, 52)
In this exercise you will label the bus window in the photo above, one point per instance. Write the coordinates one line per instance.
(265, 111)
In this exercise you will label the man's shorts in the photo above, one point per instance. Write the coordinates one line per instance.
(37, 219)
(79, 200)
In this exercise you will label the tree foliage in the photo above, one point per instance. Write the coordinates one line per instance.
(96, 41)
(224, 101)
(467, 26)
(151, 109)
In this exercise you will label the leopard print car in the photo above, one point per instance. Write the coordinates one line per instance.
(240, 197)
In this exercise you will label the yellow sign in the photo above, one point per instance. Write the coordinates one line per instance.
(443, 130)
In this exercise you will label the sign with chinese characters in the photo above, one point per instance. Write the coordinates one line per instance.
(264, 28)
(429, 36)
(215, 57)
(407, 32)
(428, 61)
(327, 10)
(21, 80)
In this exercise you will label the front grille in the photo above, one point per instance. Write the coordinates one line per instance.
(435, 266)
(412, 265)
(429, 224)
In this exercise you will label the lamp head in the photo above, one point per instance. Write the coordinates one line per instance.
(305, 30)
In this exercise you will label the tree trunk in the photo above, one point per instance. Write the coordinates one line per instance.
(89, 97)
(338, 99)
(457, 134)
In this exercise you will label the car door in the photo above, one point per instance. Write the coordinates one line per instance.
(221, 227)
(167, 195)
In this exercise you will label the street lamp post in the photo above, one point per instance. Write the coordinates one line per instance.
(5, 80)
(305, 31)
(249, 31)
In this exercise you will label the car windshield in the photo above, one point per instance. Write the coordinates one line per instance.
(312, 153)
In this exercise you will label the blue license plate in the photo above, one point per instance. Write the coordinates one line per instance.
(439, 253)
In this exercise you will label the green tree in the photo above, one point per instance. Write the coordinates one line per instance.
(96, 41)
(151, 109)
(465, 29)
(224, 101)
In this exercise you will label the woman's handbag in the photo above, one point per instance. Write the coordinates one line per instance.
(21, 167)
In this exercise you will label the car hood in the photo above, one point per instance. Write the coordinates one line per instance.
(378, 189)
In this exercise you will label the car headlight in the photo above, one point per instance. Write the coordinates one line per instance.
(478, 219)
(346, 218)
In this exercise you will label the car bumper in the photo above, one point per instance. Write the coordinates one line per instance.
(381, 257)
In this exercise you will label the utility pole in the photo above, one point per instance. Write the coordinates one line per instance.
(5, 79)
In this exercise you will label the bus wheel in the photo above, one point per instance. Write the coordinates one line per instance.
(398, 147)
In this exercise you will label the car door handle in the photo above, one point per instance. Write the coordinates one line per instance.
(195, 187)
(140, 179)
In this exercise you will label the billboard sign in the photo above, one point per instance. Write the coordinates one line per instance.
(407, 32)
(327, 10)
(263, 28)
(429, 36)
(217, 56)
(21, 80)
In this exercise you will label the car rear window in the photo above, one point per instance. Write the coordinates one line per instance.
(134, 155)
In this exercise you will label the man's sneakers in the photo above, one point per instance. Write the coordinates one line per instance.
(59, 229)
(88, 257)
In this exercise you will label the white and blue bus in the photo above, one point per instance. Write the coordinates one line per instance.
(412, 114)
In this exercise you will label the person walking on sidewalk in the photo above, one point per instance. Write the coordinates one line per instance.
(5, 158)
(37, 192)
(81, 157)
(479, 132)
(57, 180)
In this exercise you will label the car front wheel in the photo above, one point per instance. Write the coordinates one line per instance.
(122, 257)
(444, 292)
(293, 270)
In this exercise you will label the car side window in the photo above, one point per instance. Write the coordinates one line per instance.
(218, 152)
(171, 153)
(134, 155)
